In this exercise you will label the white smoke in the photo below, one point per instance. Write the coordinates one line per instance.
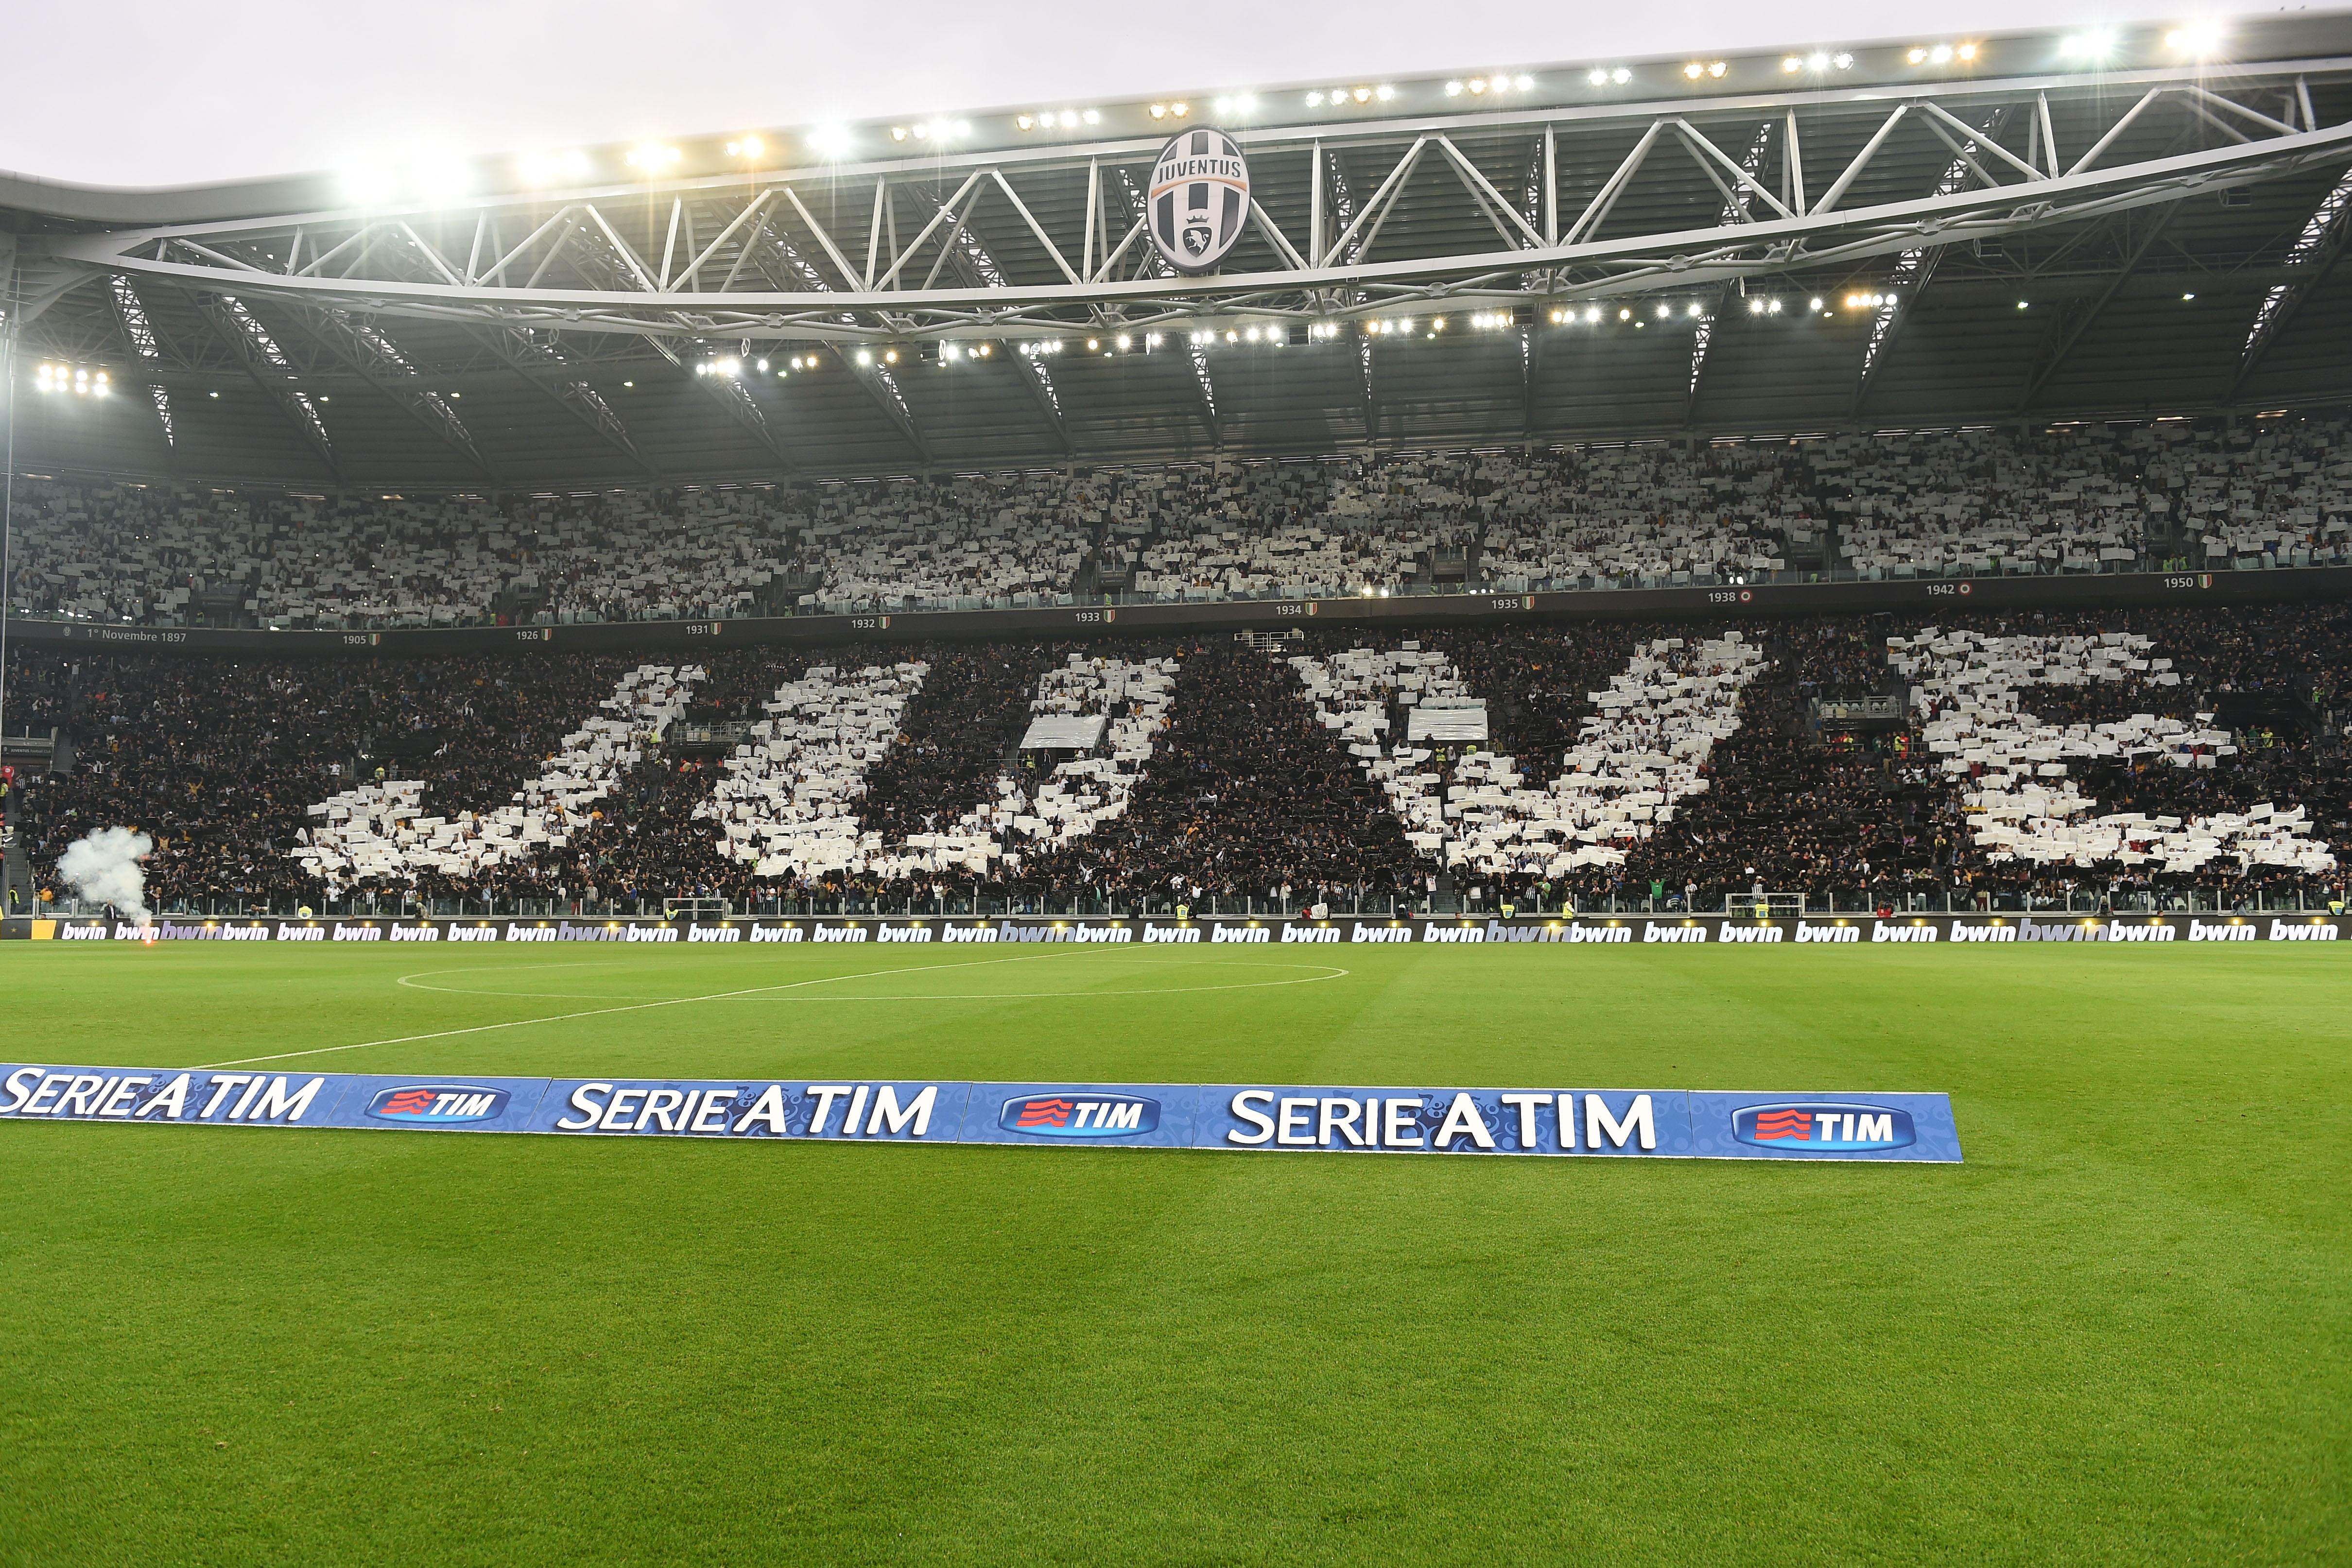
(104, 869)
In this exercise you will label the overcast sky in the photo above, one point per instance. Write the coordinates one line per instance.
(152, 93)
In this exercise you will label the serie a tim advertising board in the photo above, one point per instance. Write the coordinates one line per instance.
(1654, 1124)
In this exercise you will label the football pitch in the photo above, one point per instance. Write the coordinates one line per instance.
(2121, 1331)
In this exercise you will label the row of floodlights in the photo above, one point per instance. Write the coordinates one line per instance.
(78, 379)
(732, 366)
(1279, 335)
(434, 175)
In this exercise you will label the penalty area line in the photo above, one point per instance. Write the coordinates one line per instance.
(600, 1012)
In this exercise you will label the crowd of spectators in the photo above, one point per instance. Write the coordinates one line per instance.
(2259, 493)
(219, 759)
(1247, 796)
(1245, 793)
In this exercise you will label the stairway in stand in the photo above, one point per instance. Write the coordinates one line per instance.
(15, 866)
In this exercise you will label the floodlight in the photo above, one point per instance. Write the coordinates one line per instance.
(1363, 95)
(1026, 121)
(1523, 83)
(746, 147)
(1313, 100)
(1180, 108)
(1384, 92)
(652, 158)
(1792, 64)
(1454, 89)
(1621, 76)
(2195, 37)
(833, 141)
(1597, 77)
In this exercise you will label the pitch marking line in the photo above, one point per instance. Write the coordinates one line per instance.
(628, 1007)
(598, 1012)
(418, 982)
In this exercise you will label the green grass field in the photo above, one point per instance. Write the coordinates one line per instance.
(2120, 1332)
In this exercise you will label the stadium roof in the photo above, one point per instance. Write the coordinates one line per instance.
(2106, 223)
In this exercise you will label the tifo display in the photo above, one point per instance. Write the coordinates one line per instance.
(2166, 761)
(2198, 494)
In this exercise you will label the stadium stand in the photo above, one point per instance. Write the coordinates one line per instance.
(2139, 755)
(2087, 497)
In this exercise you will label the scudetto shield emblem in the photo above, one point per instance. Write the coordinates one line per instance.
(1199, 199)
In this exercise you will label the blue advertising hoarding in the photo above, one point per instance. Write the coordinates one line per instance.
(1657, 1124)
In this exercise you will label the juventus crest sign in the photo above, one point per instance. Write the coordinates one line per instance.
(1199, 199)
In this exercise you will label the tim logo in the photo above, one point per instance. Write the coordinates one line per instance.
(1072, 1113)
(1199, 199)
(436, 1104)
(1809, 1127)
